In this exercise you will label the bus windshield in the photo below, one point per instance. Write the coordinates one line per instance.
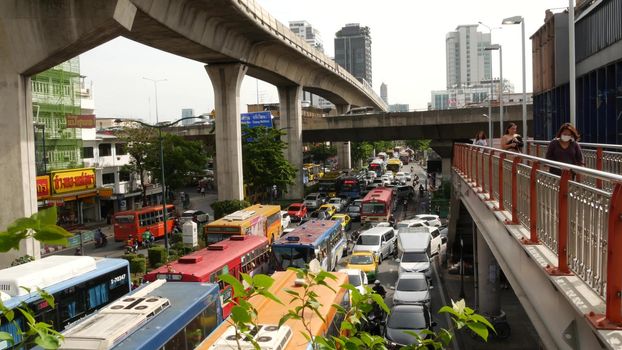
(292, 256)
(124, 219)
(373, 208)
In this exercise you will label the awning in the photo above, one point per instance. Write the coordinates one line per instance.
(66, 197)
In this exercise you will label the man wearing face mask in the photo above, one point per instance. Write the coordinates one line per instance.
(565, 148)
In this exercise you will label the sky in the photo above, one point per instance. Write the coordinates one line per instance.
(408, 54)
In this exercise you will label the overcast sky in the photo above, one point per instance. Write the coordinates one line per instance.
(408, 53)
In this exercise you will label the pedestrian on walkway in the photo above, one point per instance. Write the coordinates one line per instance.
(565, 148)
(511, 141)
(480, 139)
(203, 191)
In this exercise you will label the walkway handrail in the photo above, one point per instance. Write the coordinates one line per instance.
(582, 144)
(581, 223)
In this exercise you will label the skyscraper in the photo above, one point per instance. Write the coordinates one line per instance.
(353, 51)
(187, 113)
(467, 62)
(306, 31)
(384, 94)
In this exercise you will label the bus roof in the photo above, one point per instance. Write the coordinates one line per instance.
(102, 266)
(308, 233)
(240, 216)
(333, 175)
(394, 161)
(198, 266)
(142, 210)
(270, 312)
(379, 194)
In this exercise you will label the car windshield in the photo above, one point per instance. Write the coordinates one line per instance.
(361, 259)
(188, 214)
(368, 240)
(334, 201)
(354, 209)
(411, 285)
(355, 280)
(285, 257)
(407, 319)
(409, 257)
(294, 208)
(311, 197)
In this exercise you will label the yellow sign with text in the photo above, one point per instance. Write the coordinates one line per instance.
(67, 181)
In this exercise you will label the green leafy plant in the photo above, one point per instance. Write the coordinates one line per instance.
(222, 208)
(40, 226)
(22, 260)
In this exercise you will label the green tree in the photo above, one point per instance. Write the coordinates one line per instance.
(419, 145)
(361, 151)
(140, 147)
(264, 162)
(382, 146)
(321, 152)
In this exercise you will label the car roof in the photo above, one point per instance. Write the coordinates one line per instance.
(351, 271)
(377, 231)
(363, 252)
(424, 215)
(408, 308)
(411, 275)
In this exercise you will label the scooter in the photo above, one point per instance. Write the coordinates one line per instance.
(102, 242)
(132, 248)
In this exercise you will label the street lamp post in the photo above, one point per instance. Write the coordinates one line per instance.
(521, 20)
(493, 48)
(161, 126)
(490, 135)
(155, 87)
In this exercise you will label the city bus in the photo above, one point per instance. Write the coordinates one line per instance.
(377, 165)
(159, 315)
(258, 219)
(80, 285)
(323, 240)
(351, 187)
(330, 183)
(312, 171)
(136, 222)
(248, 254)
(394, 164)
(377, 205)
(269, 312)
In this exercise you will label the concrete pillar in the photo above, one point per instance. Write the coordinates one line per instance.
(226, 80)
(488, 279)
(18, 190)
(446, 171)
(291, 123)
(342, 109)
(343, 154)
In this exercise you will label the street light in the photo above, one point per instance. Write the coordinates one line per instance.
(155, 86)
(521, 20)
(494, 48)
(161, 126)
(490, 135)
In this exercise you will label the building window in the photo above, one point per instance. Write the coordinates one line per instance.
(87, 152)
(108, 178)
(124, 175)
(121, 149)
(105, 150)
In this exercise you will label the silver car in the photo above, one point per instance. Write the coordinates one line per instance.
(412, 288)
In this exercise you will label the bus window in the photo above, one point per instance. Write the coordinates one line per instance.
(98, 295)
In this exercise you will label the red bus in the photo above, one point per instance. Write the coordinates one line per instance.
(248, 254)
(135, 222)
(377, 205)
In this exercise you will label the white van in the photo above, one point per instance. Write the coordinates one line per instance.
(414, 250)
(435, 235)
(378, 240)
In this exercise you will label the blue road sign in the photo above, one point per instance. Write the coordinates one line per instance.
(256, 119)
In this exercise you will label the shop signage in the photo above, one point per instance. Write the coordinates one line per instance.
(43, 187)
(86, 121)
(68, 181)
(105, 192)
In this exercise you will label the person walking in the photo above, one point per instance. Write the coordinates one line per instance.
(565, 148)
(480, 139)
(511, 141)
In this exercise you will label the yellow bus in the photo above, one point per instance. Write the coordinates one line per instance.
(312, 171)
(258, 219)
(269, 312)
(394, 164)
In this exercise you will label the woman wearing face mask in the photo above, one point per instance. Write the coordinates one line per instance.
(565, 148)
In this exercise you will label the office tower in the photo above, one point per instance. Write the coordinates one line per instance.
(353, 51)
(467, 62)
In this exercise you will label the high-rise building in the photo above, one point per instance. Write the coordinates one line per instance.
(399, 107)
(353, 51)
(187, 113)
(467, 62)
(384, 93)
(306, 31)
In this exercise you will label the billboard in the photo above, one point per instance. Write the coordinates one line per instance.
(43, 187)
(255, 119)
(66, 181)
(80, 121)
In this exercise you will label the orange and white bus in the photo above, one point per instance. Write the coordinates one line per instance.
(135, 222)
(270, 312)
(258, 219)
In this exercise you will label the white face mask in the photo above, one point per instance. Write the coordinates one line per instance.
(566, 138)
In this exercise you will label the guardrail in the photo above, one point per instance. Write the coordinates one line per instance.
(577, 220)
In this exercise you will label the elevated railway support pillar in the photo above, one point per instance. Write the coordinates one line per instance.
(488, 273)
(291, 123)
(343, 155)
(226, 80)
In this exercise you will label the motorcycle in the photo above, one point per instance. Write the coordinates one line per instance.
(101, 242)
(132, 247)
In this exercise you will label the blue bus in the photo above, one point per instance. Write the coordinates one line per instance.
(80, 285)
(323, 240)
(351, 187)
(159, 315)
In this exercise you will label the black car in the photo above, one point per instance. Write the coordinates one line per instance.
(354, 211)
(406, 191)
(402, 318)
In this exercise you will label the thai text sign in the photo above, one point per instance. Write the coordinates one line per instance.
(73, 180)
(86, 121)
(43, 187)
(256, 119)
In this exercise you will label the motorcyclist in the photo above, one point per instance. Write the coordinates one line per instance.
(147, 237)
(379, 289)
(100, 238)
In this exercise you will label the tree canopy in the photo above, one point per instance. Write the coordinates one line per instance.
(321, 152)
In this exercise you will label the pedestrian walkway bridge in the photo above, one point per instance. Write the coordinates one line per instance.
(558, 239)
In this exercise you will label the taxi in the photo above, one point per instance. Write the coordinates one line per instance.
(364, 261)
(328, 209)
(345, 220)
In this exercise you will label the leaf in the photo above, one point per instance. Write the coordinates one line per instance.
(448, 310)
(10, 241)
(380, 301)
(240, 314)
(52, 234)
(271, 296)
(482, 319)
(46, 216)
(247, 278)
(263, 281)
(47, 341)
(480, 329)
(22, 224)
(238, 288)
(4, 336)
(27, 315)
(49, 298)
(444, 336)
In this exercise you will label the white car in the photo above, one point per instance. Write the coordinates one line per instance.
(285, 219)
(337, 203)
(386, 180)
(408, 176)
(412, 288)
(357, 278)
(389, 173)
(372, 174)
(401, 177)
(432, 219)
(411, 223)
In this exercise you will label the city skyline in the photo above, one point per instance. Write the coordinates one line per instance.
(408, 54)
